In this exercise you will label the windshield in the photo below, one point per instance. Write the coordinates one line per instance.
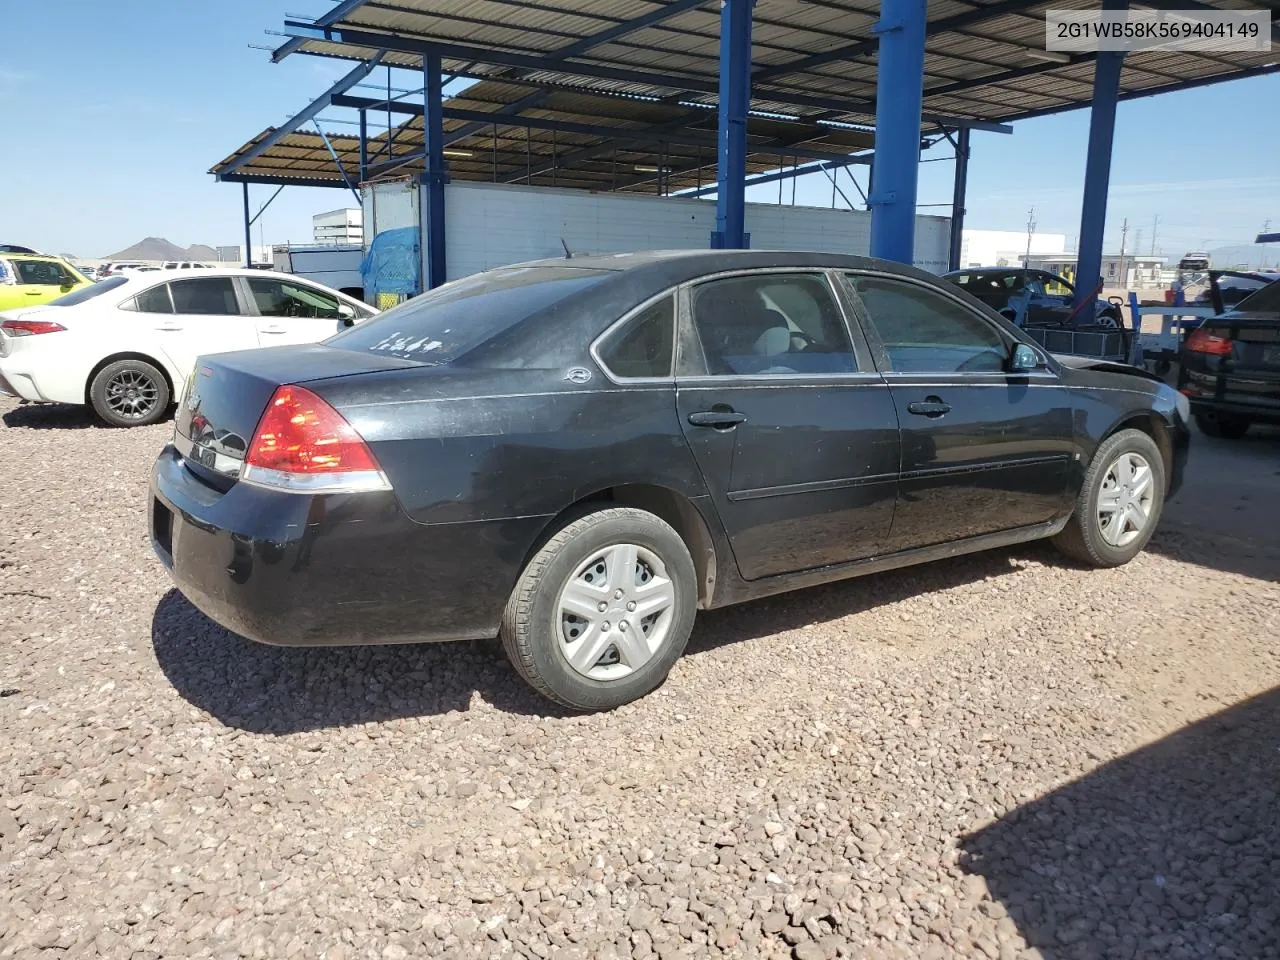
(442, 325)
(88, 293)
(1266, 300)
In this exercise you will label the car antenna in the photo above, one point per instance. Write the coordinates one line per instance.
(568, 254)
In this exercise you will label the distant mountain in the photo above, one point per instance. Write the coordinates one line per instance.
(1249, 254)
(158, 248)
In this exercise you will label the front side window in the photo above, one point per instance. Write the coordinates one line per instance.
(771, 323)
(208, 296)
(924, 332)
(644, 345)
(279, 298)
(47, 273)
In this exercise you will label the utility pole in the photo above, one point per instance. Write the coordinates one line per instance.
(1266, 228)
(1124, 239)
(1155, 225)
(1031, 229)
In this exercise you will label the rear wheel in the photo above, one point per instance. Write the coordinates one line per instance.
(603, 610)
(1224, 426)
(129, 393)
(1120, 502)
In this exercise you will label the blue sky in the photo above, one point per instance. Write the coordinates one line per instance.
(112, 128)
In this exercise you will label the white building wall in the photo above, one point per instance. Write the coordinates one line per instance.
(987, 248)
(491, 225)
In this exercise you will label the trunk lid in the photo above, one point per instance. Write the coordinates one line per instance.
(226, 395)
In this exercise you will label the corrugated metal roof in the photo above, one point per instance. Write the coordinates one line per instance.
(985, 68)
(633, 145)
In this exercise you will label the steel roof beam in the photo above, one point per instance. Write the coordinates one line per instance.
(694, 138)
(685, 85)
(339, 12)
(1263, 71)
(309, 113)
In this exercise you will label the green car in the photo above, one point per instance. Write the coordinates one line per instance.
(28, 280)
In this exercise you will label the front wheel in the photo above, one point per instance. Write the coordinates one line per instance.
(1120, 502)
(603, 610)
(1223, 427)
(129, 393)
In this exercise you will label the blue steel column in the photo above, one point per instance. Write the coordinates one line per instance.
(899, 90)
(958, 197)
(248, 230)
(735, 100)
(434, 176)
(364, 146)
(1097, 171)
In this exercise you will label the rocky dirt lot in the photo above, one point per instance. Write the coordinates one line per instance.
(998, 756)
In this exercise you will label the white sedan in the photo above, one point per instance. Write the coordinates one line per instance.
(125, 345)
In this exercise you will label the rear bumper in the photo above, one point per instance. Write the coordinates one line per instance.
(15, 383)
(1261, 412)
(300, 570)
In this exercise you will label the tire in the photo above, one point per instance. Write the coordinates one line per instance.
(129, 393)
(1223, 427)
(537, 630)
(1090, 540)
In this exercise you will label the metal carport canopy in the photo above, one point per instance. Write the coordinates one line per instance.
(984, 62)
(951, 64)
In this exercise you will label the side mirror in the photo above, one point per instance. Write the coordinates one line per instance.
(346, 316)
(1024, 359)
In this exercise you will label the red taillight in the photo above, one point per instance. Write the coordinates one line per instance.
(1202, 341)
(304, 444)
(29, 328)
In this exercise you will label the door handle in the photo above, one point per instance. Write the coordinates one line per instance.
(720, 419)
(273, 328)
(931, 407)
(170, 329)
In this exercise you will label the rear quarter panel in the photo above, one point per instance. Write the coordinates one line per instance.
(475, 446)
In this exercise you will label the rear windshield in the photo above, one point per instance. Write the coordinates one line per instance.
(448, 322)
(1266, 300)
(89, 292)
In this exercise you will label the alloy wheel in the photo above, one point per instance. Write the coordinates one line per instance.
(131, 394)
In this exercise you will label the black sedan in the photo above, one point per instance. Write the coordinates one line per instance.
(1229, 366)
(1049, 296)
(578, 454)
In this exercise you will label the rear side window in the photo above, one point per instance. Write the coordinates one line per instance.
(771, 324)
(155, 300)
(208, 296)
(450, 321)
(644, 345)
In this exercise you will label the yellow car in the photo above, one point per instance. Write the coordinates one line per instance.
(28, 280)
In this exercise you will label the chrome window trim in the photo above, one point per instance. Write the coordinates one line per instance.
(826, 275)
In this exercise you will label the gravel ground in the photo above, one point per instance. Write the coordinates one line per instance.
(997, 756)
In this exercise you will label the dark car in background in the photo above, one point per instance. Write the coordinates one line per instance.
(577, 454)
(1050, 296)
(1229, 366)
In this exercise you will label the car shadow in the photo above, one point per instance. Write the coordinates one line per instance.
(1170, 851)
(282, 690)
(791, 611)
(50, 416)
